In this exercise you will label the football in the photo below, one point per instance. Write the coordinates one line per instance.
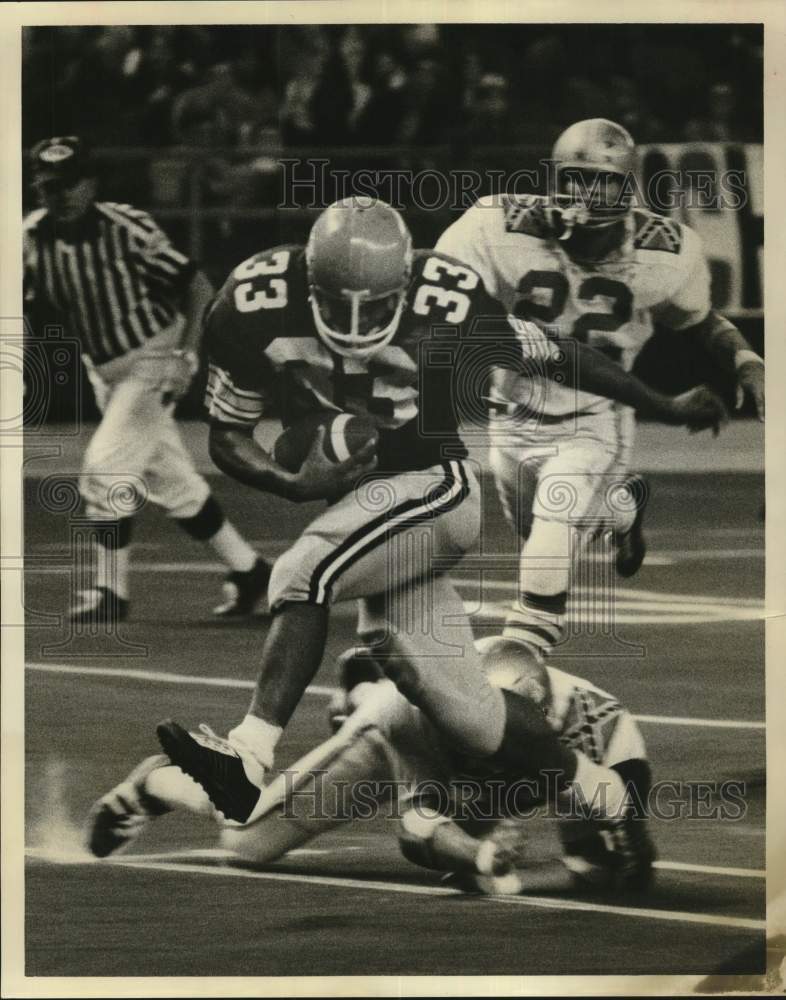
(345, 435)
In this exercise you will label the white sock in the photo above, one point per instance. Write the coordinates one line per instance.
(111, 567)
(598, 787)
(176, 790)
(256, 738)
(233, 548)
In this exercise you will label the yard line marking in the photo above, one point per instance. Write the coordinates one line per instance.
(161, 677)
(538, 902)
(684, 866)
(676, 720)
(208, 854)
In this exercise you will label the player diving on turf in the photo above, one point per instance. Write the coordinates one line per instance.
(344, 324)
(585, 262)
(452, 813)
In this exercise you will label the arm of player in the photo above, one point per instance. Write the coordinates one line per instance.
(697, 409)
(235, 452)
(197, 298)
(178, 367)
(689, 310)
(593, 372)
(734, 355)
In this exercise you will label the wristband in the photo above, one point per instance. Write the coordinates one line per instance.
(742, 357)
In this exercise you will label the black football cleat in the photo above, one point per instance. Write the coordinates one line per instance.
(99, 606)
(631, 547)
(122, 814)
(213, 764)
(634, 853)
(244, 590)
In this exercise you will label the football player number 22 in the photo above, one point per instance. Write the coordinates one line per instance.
(259, 288)
(549, 307)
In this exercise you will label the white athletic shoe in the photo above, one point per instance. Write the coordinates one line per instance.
(121, 815)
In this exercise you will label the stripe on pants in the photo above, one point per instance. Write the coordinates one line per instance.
(445, 497)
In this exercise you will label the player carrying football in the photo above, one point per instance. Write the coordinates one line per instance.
(584, 262)
(345, 324)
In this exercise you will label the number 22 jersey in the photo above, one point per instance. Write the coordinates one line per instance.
(659, 272)
(265, 356)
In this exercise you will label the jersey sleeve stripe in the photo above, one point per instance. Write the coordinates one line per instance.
(221, 401)
(221, 410)
(224, 376)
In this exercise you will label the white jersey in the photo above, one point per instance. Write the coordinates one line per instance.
(584, 716)
(659, 270)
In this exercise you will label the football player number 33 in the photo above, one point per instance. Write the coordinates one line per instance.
(271, 293)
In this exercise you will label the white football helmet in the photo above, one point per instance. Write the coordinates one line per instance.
(594, 175)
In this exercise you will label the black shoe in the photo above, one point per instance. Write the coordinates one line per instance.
(631, 547)
(244, 590)
(99, 606)
(213, 764)
(634, 853)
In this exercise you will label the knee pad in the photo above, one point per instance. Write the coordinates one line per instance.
(207, 521)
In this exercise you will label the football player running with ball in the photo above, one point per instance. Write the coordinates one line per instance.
(585, 263)
(344, 324)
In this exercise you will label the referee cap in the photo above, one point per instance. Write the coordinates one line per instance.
(63, 158)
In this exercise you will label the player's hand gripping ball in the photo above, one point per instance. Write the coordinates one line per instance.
(345, 435)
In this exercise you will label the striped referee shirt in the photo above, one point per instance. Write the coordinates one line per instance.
(114, 275)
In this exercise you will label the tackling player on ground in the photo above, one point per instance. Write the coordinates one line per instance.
(584, 262)
(463, 816)
(345, 324)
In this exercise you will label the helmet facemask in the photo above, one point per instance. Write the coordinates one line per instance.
(590, 198)
(354, 323)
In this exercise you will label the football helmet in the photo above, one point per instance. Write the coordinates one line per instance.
(515, 665)
(594, 164)
(359, 262)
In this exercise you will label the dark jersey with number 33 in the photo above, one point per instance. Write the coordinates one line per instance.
(265, 356)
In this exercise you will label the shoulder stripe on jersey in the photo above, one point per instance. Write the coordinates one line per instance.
(656, 232)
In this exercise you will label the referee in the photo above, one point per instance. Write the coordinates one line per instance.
(136, 305)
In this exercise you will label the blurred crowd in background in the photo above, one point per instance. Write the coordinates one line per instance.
(372, 85)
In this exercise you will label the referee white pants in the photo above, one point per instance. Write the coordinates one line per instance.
(390, 544)
(136, 453)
